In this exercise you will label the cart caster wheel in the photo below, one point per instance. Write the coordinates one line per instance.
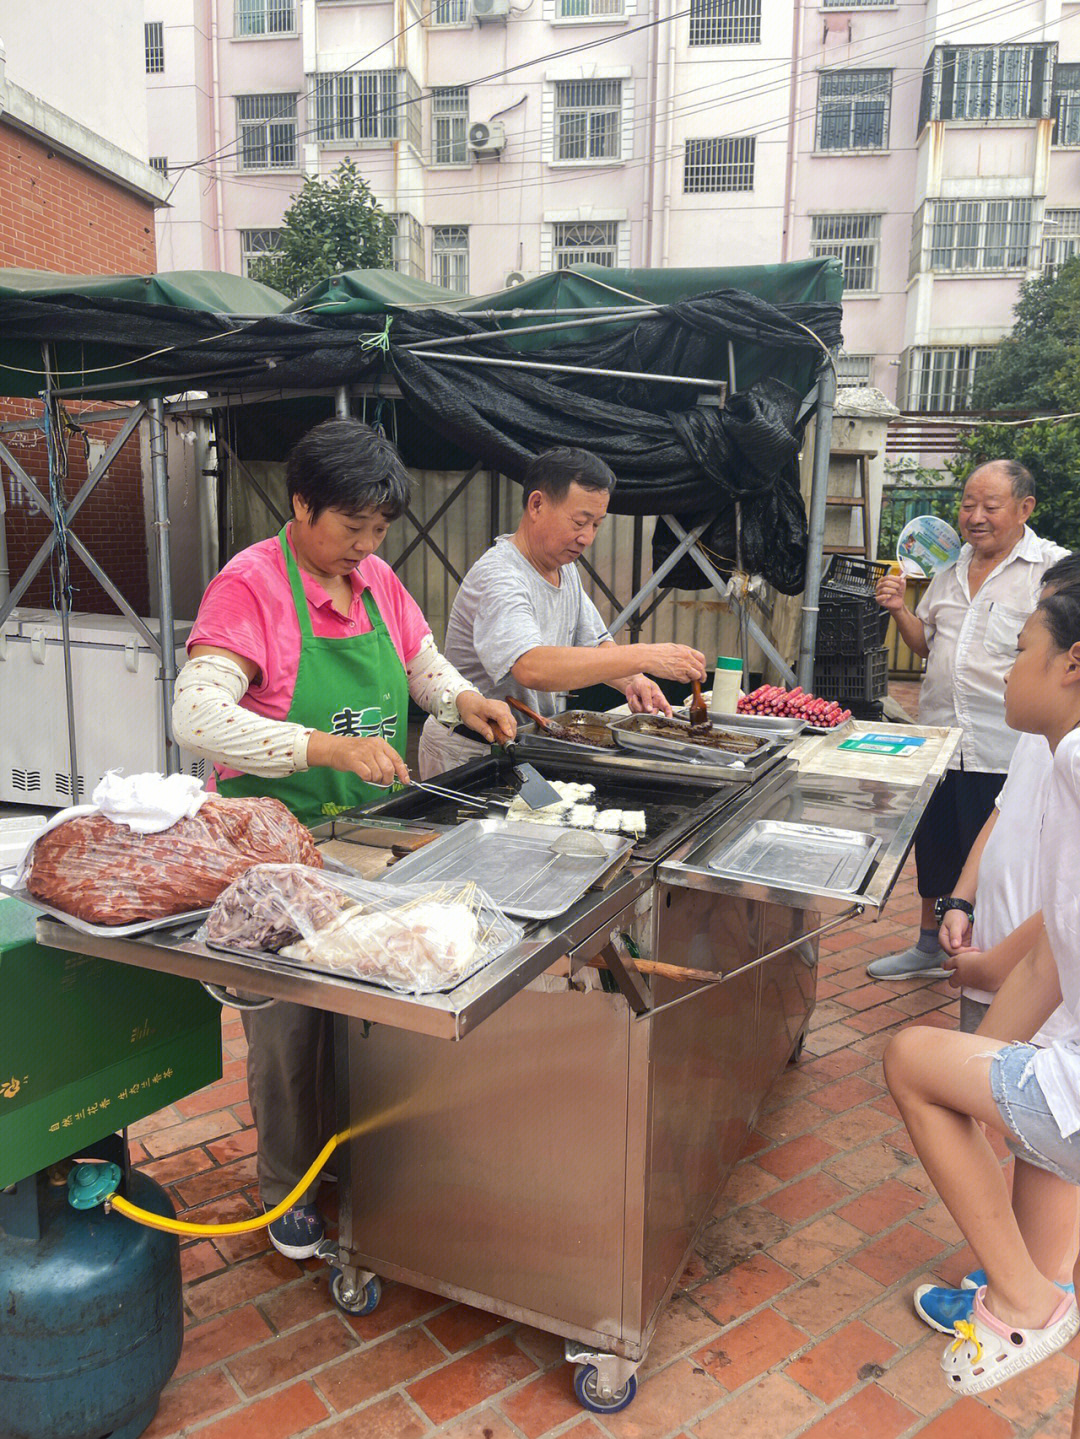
(586, 1393)
(364, 1302)
(797, 1052)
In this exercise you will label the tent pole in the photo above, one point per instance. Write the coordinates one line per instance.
(635, 573)
(610, 319)
(815, 540)
(695, 381)
(59, 519)
(160, 474)
(342, 409)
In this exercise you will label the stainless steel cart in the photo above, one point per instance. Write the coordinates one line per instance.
(557, 1166)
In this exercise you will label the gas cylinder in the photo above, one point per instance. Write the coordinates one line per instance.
(91, 1317)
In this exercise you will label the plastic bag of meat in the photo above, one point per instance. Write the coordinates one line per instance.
(411, 938)
(272, 905)
(105, 873)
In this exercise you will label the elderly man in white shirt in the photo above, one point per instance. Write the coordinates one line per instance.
(966, 626)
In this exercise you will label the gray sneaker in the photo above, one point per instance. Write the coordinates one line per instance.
(911, 963)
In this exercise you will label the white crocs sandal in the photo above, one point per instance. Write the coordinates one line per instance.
(986, 1352)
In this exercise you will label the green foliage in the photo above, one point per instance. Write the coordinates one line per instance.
(919, 492)
(1051, 452)
(1037, 367)
(332, 225)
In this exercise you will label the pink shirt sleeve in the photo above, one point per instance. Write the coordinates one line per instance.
(232, 617)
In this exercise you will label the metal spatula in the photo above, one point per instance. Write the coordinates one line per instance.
(535, 790)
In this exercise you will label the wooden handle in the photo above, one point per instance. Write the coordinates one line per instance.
(672, 971)
(525, 710)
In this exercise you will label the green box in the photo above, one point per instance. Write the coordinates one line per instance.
(88, 1046)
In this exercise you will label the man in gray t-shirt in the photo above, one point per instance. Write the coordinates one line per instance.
(522, 624)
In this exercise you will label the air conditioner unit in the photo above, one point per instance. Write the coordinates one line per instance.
(486, 12)
(489, 139)
(514, 277)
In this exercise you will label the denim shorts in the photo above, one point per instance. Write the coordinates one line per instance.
(1022, 1105)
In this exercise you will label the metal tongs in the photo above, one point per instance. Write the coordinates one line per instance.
(458, 796)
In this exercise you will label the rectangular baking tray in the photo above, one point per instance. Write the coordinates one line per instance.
(111, 931)
(798, 856)
(515, 863)
(777, 724)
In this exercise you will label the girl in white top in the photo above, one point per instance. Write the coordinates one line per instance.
(947, 1085)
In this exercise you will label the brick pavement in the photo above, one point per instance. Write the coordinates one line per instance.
(792, 1318)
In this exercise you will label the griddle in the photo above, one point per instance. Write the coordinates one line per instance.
(674, 805)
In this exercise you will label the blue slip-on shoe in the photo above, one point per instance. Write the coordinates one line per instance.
(299, 1231)
(975, 1280)
(941, 1308)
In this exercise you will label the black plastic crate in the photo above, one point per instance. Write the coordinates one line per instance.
(853, 575)
(872, 710)
(849, 626)
(853, 680)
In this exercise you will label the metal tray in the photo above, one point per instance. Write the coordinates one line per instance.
(754, 724)
(515, 862)
(799, 856)
(113, 931)
(641, 731)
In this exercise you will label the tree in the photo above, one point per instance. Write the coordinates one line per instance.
(1037, 366)
(1051, 452)
(331, 225)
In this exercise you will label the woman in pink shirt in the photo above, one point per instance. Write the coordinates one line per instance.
(303, 657)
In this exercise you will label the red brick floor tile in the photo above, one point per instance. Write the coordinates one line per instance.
(189, 1402)
(219, 1338)
(193, 1131)
(215, 1096)
(467, 1381)
(544, 1349)
(796, 1156)
(937, 1220)
(198, 1260)
(833, 1066)
(291, 1305)
(750, 1348)
(298, 1352)
(833, 1036)
(1035, 1391)
(234, 1146)
(459, 1326)
(151, 1123)
(769, 1409)
(968, 1419)
(744, 1232)
(868, 1413)
(745, 1287)
(894, 1317)
(806, 1197)
(389, 1418)
(866, 1167)
(1058, 1426)
(748, 1183)
(817, 1245)
(236, 1247)
(845, 1093)
(795, 1118)
(587, 1429)
(901, 1252)
(177, 1166)
(240, 1283)
(400, 1305)
(841, 1361)
(854, 1127)
(682, 1327)
(670, 1401)
(866, 996)
(288, 1412)
(543, 1403)
(379, 1367)
(916, 1379)
(213, 1183)
(820, 1303)
(882, 1207)
(485, 1424)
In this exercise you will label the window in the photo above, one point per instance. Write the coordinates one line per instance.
(980, 234)
(853, 109)
(986, 82)
(449, 12)
(719, 165)
(254, 244)
(588, 9)
(855, 240)
(592, 243)
(160, 163)
(154, 45)
(588, 119)
(450, 126)
(1061, 237)
(725, 22)
(942, 378)
(264, 17)
(450, 257)
(367, 105)
(854, 371)
(267, 128)
(407, 245)
(1066, 100)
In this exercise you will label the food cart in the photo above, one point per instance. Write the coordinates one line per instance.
(556, 1164)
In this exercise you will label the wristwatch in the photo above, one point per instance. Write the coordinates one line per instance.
(950, 901)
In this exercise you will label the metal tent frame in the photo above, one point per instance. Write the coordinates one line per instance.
(154, 408)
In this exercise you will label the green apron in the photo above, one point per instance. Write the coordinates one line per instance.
(353, 686)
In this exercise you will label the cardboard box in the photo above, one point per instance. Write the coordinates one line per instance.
(88, 1046)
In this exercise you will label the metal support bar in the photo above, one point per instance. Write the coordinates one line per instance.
(726, 591)
(815, 540)
(612, 317)
(252, 481)
(657, 577)
(431, 545)
(86, 417)
(696, 382)
(608, 593)
(342, 408)
(437, 516)
(649, 610)
(635, 573)
(159, 470)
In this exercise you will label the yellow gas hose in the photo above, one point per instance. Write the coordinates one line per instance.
(241, 1226)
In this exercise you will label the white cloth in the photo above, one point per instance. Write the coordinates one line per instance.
(505, 608)
(1057, 1067)
(1008, 889)
(145, 803)
(441, 750)
(973, 644)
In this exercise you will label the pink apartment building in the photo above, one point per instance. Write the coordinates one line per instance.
(932, 145)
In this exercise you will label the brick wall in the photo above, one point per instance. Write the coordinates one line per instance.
(56, 215)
